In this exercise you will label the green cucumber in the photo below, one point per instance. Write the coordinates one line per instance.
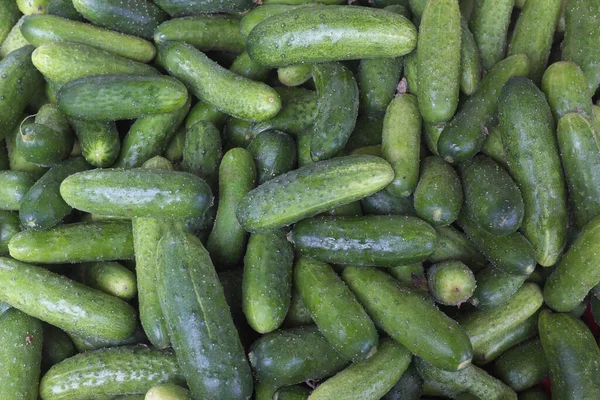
(495, 287)
(470, 61)
(44, 146)
(110, 372)
(294, 75)
(168, 391)
(297, 314)
(523, 366)
(137, 193)
(260, 102)
(291, 356)
(534, 394)
(377, 79)
(295, 392)
(565, 87)
(408, 387)
(383, 203)
(108, 277)
(180, 8)
(203, 111)
(393, 240)
(245, 66)
(431, 135)
(312, 189)
(360, 33)
(367, 132)
(411, 275)
(257, 14)
(4, 163)
(174, 150)
(453, 245)
(528, 136)
(451, 283)
(9, 15)
(572, 356)
(192, 300)
(14, 40)
(15, 160)
(493, 148)
(489, 24)
(14, 185)
(274, 154)
(463, 137)
(335, 310)
(99, 141)
(202, 152)
(438, 196)
(28, 7)
(264, 391)
(89, 343)
(63, 8)
(414, 322)
(9, 226)
(237, 133)
(57, 347)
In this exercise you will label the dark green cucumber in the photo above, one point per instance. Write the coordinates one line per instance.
(451, 283)
(377, 79)
(367, 132)
(408, 387)
(14, 40)
(297, 314)
(454, 245)
(383, 203)
(63, 8)
(438, 196)
(363, 33)
(523, 366)
(89, 343)
(9, 15)
(20, 355)
(14, 185)
(495, 287)
(470, 61)
(565, 87)
(227, 240)
(572, 356)
(288, 357)
(410, 275)
(463, 137)
(295, 392)
(9, 226)
(527, 128)
(267, 281)
(264, 391)
(202, 152)
(174, 150)
(180, 8)
(493, 148)
(192, 300)
(408, 318)
(36, 291)
(312, 189)
(489, 24)
(93, 98)
(168, 391)
(274, 154)
(15, 160)
(492, 199)
(411, 73)
(99, 141)
(392, 240)
(260, 102)
(337, 109)
(294, 75)
(335, 310)
(109, 277)
(204, 32)
(110, 372)
(369, 379)
(44, 146)
(137, 193)
(57, 347)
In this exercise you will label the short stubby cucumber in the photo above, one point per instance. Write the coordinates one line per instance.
(523, 366)
(202, 152)
(451, 282)
(180, 8)
(99, 141)
(109, 277)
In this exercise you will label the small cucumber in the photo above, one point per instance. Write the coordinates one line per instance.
(470, 62)
(377, 79)
(489, 24)
(495, 287)
(565, 87)
(14, 185)
(451, 282)
(202, 152)
(454, 245)
(493, 148)
(99, 141)
(245, 66)
(294, 75)
(411, 275)
(44, 146)
(9, 226)
(393, 240)
(408, 318)
(180, 8)
(57, 347)
(203, 111)
(408, 387)
(109, 277)
(523, 366)
(63, 8)
(168, 391)
(9, 15)
(28, 7)
(274, 154)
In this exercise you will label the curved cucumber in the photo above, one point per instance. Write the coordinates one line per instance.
(565, 87)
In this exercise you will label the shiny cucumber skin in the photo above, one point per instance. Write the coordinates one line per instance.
(438, 61)
(137, 193)
(14, 185)
(41, 145)
(245, 66)
(470, 61)
(489, 24)
(181, 8)
(523, 366)
(93, 98)
(409, 319)
(274, 153)
(337, 109)
(565, 87)
(168, 391)
(495, 287)
(377, 79)
(369, 379)
(335, 310)
(109, 277)
(464, 135)
(360, 32)
(20, 355)
(15, 159)
(42, 207)
(383, 203)
(110, 372)
(312, 189)
(529, 141)
(43, 28)
(198, 320)
(378, 240)
(260, 102)
(572, 355)
(37, 291)
(9, 226)
(99, 141)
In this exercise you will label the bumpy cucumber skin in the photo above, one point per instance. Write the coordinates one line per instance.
(267, 43)
(291, 356)
(110, 372)
(180, 8)
(14, 40)
(160, 194)
(572, 355)
(565, 87)
(99, 141)
(470, 62)
(202, 151)
(528, 137)
(407, 318)
(438, 59)
(451, 282)
(297, 314)
(312, 189)
(489, 24)
(392, 240)
(20, 355)
(454, 245)
(109, 277)
(260, 102)
(14, 185)
(377, 80)
(463, 137)
(523, 366)
(274, 154)
(198, 320)
(9, 226)
(495, 287)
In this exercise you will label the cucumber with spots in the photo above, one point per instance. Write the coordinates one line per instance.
(202, 152)
(15, 159)
(470, 61)
(383, 203)
(408, 387)
(454, 245)
(489, 23)
(57, 347)
(377, 79)
(451, 283)
(274, 154)
(294, 75)
(565, 87)
(258, 14)
(245, 66)
(9, 15)
(523, 366)
(495, 287)
(493, 148)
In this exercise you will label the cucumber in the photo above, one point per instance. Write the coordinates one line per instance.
(93, 98)
(463, 137)
(66, 61)
(109, 277)
(572, 356)
(367, 132)
(493, 148)
(451, 283)
(227, 240)
(312, 189)
(294, 75)
(237, 133)
(174, 150)
(438, 61)
(28, 7)
(180, 8)
(368, 379)
(528, 136)
(489, 24)
(335, 310)
(44, 146)
(110, 372)
(408, 318)
(202, 152)
(63, 8)
(258, 14)
(393, 240)
(438, 196)
(470, 62)
(408, 387)
(523, 366)
(264, 391)
(137, 193)
(9, 226)
(401, 138)
(168, 391)
(14, 185)
(99, 141)
(565, 87)
(291, 356)
(192, 300)
(204, 32)
(89, 343)
(411, 275)
(296, 392)
(337, 109)
(492, 199)
(245, 66)
(260, 102)
(360, 32)
(203, 111)
(57, 347)
(9, 15)
(431, 136)
(15, 160)
(14, 40)
(377, 79)
(495, 287)
(274, 154)
(453, 245)
(534, 394)
(297, 314)
(20, 355)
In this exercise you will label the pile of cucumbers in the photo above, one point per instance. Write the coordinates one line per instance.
(299, 199)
